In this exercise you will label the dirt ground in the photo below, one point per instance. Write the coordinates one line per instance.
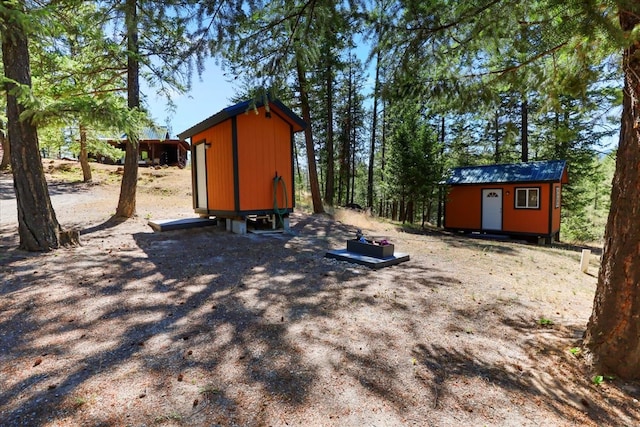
(202, 327)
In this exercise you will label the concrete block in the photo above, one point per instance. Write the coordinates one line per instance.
(239, 226)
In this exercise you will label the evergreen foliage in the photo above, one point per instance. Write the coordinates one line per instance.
(453, 79)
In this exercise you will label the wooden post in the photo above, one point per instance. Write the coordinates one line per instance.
(584, 260)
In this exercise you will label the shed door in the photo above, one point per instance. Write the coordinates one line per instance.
(201, 176)
(492, 209)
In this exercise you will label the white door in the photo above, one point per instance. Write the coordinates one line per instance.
(201, 176)
(492, 209)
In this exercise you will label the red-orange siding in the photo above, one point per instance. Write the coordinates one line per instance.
(264, 149)
(534, 221)
(220, 185)
(464, 209)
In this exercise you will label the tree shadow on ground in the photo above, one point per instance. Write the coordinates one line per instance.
(550, 390)
(6, 188)
(213, 317)
(112, 222)
(109, 274)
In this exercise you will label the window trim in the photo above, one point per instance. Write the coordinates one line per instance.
(527, 190)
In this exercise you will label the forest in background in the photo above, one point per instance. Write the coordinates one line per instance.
(396, 92)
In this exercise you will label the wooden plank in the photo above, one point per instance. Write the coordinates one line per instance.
(181, 224)
(584, 260)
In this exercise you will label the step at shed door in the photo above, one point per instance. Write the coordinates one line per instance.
(492, 209)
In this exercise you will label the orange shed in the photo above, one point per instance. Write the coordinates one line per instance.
(522, 199)
(242, 163)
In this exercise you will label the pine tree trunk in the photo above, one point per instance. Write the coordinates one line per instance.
(84, 157)
(353, 158)
(441, 192)
(383, 141)
(613, 332)
(374, 125)
(308, 136)
(6, 152)
(524, 132)
(497, 155)
(329, 191)
(38, 227)
(127, 201)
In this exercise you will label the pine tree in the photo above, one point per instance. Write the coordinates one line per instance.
(613, 331)
(38, 226)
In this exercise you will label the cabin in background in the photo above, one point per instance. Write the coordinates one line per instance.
(522, 199)
(155, 149)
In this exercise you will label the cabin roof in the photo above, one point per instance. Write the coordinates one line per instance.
(241, 108)
(541, 171)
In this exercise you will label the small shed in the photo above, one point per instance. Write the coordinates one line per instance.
(522, 199)
(242, 163)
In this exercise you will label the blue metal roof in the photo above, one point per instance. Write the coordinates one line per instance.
(242, 108)
(542, 171)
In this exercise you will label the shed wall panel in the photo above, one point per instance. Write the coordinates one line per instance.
(463, 210)
(535, 221)
(220, 188)
(264, 148)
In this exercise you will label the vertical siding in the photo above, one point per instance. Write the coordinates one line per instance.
(284, 162)
(526, 220)
(463, 207)
(220, 186)
(264, 148)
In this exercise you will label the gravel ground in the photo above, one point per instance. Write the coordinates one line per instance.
(202, 327)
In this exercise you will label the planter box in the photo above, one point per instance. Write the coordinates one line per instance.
(369, 249)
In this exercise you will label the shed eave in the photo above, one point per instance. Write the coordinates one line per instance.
(501, 182)
(289, 116)
(205, 124)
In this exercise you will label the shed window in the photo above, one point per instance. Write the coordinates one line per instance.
(527, 198)
(557, 197)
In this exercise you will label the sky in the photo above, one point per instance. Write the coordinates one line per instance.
(212, 92)
(209, 94)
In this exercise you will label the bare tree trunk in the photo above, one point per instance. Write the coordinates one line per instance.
(383, 154)
(524, 132)
(127, 202)
(347, 143)
(374, 125)
(353, 153)
(329, 191)
(6, 151)
(497, 155)
(38, 226)
(613, 332)
(84, 157)
(308, 136)
(441, 192)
